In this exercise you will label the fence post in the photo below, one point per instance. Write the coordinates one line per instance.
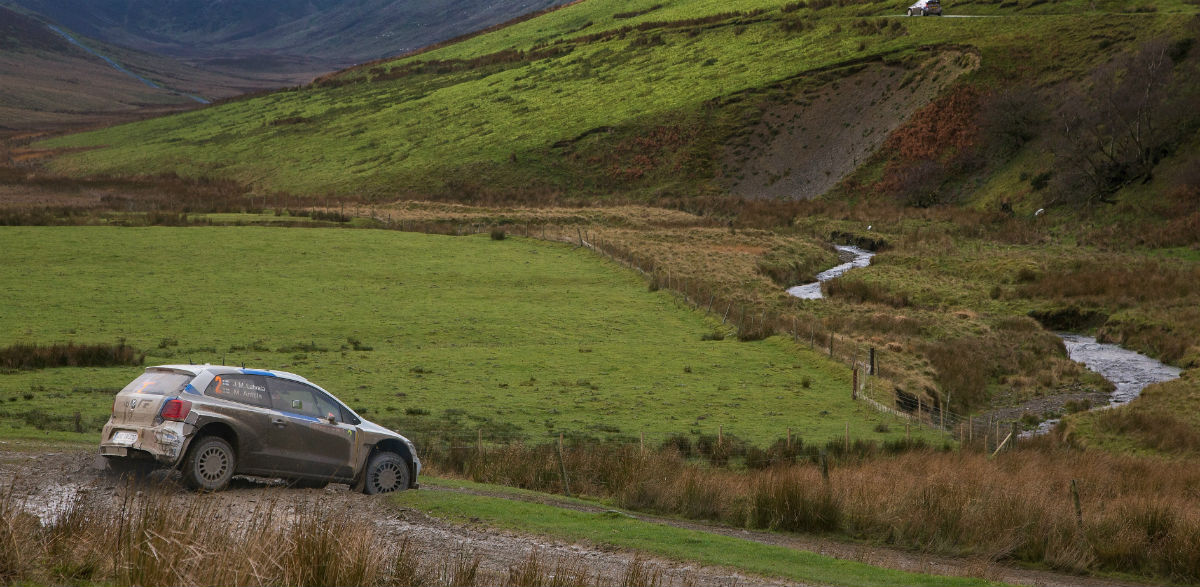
(854, 384)
(479, 441)
(872, 362)
(720, 434)
(830, 344)
(825, 467)
(562, 468)
(1078, 508)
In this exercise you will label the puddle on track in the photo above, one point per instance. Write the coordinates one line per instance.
(812, 291)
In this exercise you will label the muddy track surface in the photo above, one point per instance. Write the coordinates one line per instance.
(48, 482)
(873, 555)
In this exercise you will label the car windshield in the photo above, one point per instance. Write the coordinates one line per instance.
(158, 383)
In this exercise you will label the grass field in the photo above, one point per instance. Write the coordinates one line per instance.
(517, 338)
(676, 543)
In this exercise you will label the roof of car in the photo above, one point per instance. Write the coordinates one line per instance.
(225, 369)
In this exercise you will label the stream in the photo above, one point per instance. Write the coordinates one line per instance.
(1129, 372)
(858, 258)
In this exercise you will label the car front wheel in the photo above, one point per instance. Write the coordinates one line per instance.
(209, 465)
(386, 472)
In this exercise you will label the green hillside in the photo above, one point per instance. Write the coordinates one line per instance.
(605, 97)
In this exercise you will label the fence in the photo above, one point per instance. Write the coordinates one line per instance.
(873, 380)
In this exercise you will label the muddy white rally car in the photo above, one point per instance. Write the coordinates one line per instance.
(213, 422)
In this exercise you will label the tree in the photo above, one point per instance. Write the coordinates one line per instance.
(1115, 128)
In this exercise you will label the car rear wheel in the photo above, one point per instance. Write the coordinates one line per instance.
(909, 12)
(209, 465)
(386, 472)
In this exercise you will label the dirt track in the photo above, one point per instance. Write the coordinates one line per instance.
(48, 480)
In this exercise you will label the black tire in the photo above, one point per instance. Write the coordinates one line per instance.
(127, 467)
(209, 464)
(924, 12)
(909, 12)
(386, 472)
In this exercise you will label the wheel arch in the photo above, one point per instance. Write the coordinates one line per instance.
(216, 428)
(388, 445)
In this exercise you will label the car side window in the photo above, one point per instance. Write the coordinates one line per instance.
(293, 397)
(244, 389)
(328, 407)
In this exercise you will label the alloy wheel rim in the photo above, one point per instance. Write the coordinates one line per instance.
(386, 478)
(212, 464)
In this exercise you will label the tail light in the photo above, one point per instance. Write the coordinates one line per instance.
(176, 409)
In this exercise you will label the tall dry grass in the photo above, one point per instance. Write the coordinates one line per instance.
(157, 536)
(1139, 515)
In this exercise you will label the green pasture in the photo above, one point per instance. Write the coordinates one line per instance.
(620, 531)
(519, 339)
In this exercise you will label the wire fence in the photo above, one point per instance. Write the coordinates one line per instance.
(873, 379)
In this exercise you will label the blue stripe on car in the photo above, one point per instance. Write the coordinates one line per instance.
(258, 372)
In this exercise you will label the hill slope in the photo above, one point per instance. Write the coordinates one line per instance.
(279, 35)
(47, 80)
(643, 99)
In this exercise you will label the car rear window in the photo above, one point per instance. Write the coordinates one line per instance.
(158, 383)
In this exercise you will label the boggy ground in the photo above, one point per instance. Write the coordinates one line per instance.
(46, 483)
(49, 482)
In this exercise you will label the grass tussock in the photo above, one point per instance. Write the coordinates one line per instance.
(158, 537)
(1156, 430)
(37, 356)
(857, 290)
(1137, 516)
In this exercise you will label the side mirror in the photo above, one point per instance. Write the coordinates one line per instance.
(331, 419)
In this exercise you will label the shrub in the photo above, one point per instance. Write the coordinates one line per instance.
(35, 356)
(498, 234)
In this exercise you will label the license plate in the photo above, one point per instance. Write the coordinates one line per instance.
(124, 437)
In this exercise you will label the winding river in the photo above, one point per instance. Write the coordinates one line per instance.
(858, 258)
(1129, 372)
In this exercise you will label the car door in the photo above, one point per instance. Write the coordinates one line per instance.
(318, 443)
(247, 407)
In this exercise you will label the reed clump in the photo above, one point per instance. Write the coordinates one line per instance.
(159, 536)
(39, 356)
(1138, 515)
